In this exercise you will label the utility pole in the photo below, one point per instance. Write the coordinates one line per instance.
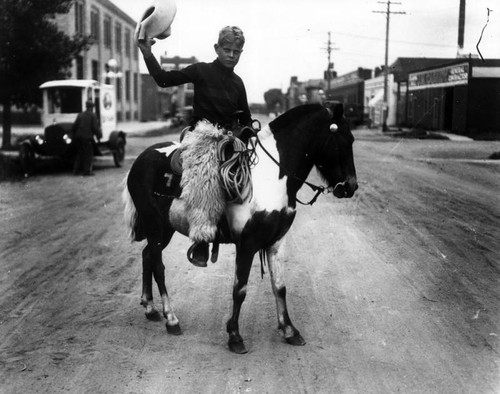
(329, 69)
(461, 27)
(387, 13)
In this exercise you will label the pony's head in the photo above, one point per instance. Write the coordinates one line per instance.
(314, 135)
(333, 154)
(326, 142)
(331, 150)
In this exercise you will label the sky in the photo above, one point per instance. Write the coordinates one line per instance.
(286, 38)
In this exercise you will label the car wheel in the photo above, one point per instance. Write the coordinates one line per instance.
(27, 159)
(119, 152)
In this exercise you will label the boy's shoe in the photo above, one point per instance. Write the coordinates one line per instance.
(198, 254)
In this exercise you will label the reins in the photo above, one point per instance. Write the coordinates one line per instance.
(318, 189)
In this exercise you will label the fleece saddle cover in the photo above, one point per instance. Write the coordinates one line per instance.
(202, 188)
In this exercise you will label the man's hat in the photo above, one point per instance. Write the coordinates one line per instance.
(156, 21)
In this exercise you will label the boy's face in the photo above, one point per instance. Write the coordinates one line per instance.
(229, 53)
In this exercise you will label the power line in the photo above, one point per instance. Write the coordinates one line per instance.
(387, 13)
(341, 33)
(396, 41)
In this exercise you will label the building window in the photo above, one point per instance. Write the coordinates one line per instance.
(79, 14)
(118, 89)
(118, 38)
(79, 67)
(94, 25)
(107, 31)
(95, 70)
(127, 85)
(127, 43)
(136, 87)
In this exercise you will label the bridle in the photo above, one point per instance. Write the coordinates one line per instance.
(318, 189)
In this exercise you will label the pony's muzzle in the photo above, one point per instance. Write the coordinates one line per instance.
(345, 189)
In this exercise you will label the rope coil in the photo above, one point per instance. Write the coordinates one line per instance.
(236, 162)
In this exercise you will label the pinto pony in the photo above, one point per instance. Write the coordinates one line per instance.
(287, 149)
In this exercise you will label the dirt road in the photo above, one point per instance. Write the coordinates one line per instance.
(394, 290)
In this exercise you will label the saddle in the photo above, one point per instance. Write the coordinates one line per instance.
(213, 165)
(176, 162)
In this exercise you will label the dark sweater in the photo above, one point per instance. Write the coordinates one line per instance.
(218, 91)
(86, 126)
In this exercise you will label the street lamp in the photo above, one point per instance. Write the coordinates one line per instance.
(112, 71)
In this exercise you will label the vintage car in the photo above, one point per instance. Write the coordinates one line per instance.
(62, 101)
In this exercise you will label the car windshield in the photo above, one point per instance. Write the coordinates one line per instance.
(65, 100)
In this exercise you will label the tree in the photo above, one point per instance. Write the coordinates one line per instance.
(32, 50)
(275, 100)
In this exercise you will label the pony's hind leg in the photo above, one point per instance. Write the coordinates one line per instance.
(150, 256)
(152, 266)
(172, 324)
(291, 334)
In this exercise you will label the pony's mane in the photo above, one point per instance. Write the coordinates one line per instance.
(293, 115)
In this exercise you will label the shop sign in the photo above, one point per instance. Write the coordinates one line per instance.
(441, 77)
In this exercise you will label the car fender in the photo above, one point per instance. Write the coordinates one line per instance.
(113, 139)
(31, 142)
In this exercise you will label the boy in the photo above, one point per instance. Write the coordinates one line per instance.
(219, 94)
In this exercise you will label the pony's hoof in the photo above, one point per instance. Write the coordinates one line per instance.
(237, 346)
(174, 330)
(154, 315)
(296, 340)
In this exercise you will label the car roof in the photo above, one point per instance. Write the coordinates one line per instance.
(79, 83)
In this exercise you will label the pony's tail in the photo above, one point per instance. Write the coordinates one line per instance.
(129, 210)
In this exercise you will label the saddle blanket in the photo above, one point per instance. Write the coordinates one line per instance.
(168, 176)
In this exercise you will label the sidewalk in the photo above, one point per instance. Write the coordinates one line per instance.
(128, 127)
(411, 133)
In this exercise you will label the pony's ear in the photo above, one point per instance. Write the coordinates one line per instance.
(337, 109)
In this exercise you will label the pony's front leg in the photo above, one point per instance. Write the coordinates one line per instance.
(276, 269)
(244, 259)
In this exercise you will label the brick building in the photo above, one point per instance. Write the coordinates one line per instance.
(462, 97)
(112, 31)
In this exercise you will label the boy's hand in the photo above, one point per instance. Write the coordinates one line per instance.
(145, 46)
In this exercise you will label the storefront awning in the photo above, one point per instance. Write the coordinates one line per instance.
(379, 96)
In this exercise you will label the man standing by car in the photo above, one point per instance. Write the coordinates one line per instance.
(83, 130)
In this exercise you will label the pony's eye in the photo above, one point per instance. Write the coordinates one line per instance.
(334, 127)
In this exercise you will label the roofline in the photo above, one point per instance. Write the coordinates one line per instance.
(116, 10)
(80, 83)
(472, 62)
